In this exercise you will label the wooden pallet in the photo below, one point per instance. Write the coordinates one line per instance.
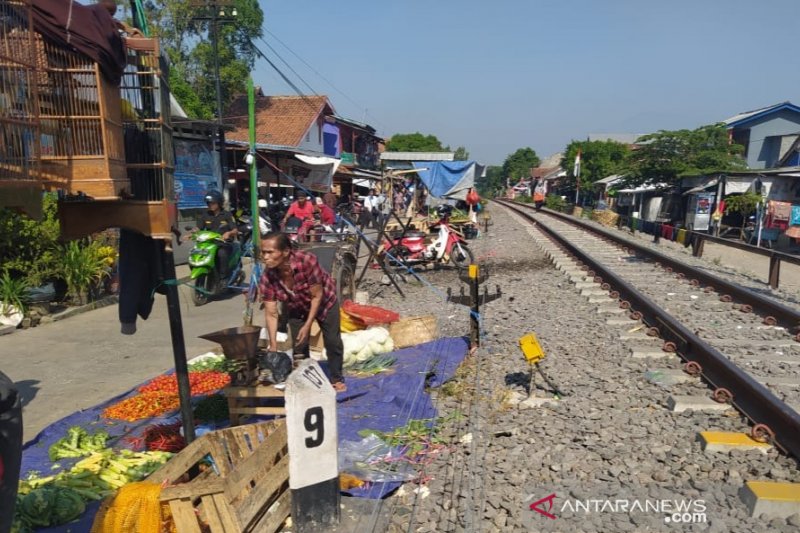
(246, 400)
(245, 490)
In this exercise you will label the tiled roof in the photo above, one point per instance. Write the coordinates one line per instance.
(281, 120)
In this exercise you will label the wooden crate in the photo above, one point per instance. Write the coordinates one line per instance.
(247, 489)
(247, 401)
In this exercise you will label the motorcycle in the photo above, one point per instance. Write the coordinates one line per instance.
(410, 248)
(207, 272)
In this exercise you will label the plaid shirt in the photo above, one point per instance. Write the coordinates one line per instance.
(307, 272)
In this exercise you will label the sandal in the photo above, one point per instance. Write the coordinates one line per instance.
(339, 386)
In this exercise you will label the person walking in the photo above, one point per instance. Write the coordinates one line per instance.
(308, 293)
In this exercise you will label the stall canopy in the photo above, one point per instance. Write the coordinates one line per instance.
(451, 179)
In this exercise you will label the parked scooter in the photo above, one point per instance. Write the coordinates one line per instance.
(207, 271)
(410, 247)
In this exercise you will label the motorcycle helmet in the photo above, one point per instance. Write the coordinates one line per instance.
(444, 210)
(214, 196)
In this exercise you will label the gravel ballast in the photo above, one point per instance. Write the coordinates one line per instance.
(610, 438)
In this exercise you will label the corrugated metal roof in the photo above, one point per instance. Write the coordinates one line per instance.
(610, 179)
(417, 156)
(746, 115)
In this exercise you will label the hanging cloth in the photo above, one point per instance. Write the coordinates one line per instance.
(681, 236)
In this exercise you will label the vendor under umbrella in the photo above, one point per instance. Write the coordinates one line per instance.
(308, 293)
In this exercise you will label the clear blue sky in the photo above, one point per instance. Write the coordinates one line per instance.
(497, 75)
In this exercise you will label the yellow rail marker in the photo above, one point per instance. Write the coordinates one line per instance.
(531, 348)
(473, 271)
(722, 441)
(775, 499)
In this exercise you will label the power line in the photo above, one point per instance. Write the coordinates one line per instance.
(285, 78)
(290, 67)
(326, 80)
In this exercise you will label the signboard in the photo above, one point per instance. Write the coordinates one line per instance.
(195, 172)
(347, 158)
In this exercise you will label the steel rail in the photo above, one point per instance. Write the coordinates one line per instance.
(749, 396)
(783, 315)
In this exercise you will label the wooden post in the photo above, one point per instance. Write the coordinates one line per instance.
(313, 449)
(774, 271)
(697, 244)
(178, 343)
(474, 296)
(657, 234)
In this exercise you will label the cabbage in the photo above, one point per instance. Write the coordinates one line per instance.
(68, 506)
(364, 354)
(51, 506)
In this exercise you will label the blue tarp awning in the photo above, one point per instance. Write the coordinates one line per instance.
(451, 179)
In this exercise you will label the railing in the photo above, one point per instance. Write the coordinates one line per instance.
(697, 239)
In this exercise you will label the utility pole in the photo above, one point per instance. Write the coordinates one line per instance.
(214, 12)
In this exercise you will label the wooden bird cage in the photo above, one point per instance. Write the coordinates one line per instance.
(82, 149)
(19, 125)
(146, 122)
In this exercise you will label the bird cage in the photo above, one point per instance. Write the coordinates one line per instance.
(146, 122)
(80, 123)
(19, 125)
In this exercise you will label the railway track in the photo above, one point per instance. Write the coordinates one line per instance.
(743, 344)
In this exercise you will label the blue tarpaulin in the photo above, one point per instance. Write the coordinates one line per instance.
(382, 402)
(450, 179)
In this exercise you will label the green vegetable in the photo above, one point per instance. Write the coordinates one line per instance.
(375, 365)
(212, 409)
(78, 443)
(48, 506)
(219, 364)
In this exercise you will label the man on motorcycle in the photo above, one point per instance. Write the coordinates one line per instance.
(303, 210)
(219, 221)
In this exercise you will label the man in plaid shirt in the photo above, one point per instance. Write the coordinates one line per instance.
(308, 292)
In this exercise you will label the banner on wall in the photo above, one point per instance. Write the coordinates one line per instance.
(195, 172)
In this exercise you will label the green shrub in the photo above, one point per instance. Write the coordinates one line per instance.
(29, 248)
(83, 267)
(13, 292)
(555, 202)
(524, 198)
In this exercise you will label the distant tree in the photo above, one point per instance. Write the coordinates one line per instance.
(519, 164)
(414, 142)
(492, 182)
(599, 159)
(744, 204)
(461, 154)
(668, 156)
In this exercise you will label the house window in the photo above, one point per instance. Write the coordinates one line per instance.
(742, 137)
(308, 136)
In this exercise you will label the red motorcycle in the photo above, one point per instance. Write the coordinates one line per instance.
(409, 247)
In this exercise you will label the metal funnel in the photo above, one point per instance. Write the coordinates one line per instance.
(237, 343)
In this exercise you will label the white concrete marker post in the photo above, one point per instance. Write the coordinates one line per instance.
(313, 448)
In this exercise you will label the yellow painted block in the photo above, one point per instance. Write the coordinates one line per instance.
(775, 491)
(473, 271)
(531, 348)
(730, 439)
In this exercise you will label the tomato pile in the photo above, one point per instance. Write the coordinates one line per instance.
(141, 406)
(160, 395)
(199, 382)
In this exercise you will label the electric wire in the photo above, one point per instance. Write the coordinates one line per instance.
(315, 93)
(326, 80)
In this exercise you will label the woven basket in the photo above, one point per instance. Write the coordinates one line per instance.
(414, 330)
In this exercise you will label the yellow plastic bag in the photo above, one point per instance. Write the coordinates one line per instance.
(348, 323)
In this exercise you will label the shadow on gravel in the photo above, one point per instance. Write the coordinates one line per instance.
(523, 379)
(505, 266)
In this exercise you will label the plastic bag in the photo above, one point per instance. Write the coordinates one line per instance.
(657, 377)
(278, 363)
(371, 459)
